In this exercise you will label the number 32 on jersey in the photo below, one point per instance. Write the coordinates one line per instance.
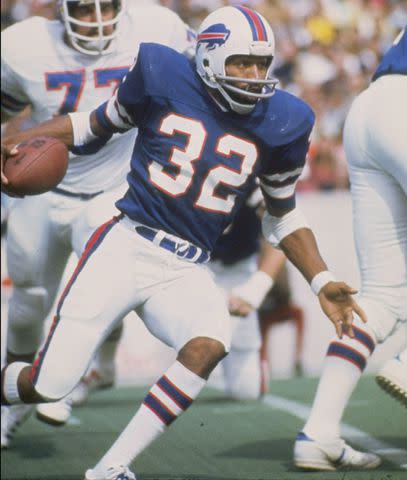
(227, 146)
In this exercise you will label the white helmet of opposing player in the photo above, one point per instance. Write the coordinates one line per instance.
(231, 31)
(99, 42)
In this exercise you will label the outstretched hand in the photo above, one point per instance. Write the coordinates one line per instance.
(238, 306)
(339, 306)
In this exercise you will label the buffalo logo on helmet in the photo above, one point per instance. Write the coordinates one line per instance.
(214, 36)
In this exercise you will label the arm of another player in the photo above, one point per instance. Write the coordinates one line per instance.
(249, 295)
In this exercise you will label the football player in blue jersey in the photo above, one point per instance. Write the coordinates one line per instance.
(376, 148)
(206, 128)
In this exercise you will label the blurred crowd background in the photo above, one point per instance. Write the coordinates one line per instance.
(326, 52)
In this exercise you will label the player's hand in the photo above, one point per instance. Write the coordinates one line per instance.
(339, 306)
(6, 152)
(238, 306)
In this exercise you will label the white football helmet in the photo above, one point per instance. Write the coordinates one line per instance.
(96, 44)
(234, 31)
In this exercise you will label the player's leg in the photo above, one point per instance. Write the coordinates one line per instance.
(35, 263)
(88, 309)
(93, 213)
(190, 315)
(391, 146)
(36, 259)
(101, 373)
(381, 252)
(297, 315)
(242, 368)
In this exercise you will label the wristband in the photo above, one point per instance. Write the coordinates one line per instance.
(82, 133)
(255, 289)
(320, 280)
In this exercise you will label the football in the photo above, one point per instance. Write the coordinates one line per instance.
(39, 165)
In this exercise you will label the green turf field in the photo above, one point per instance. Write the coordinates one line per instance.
(217, 439)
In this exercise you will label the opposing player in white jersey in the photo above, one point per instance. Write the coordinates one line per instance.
(67, 65)
(375, 142)
(206, 128)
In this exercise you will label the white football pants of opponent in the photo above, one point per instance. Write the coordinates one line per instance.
(376, 148)
(241, 368)
(375, 139)
(42, 233)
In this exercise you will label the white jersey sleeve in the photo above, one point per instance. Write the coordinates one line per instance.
(14, 97)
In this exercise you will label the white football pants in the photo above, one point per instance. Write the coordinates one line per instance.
(119, 271)
(375, 139)
(241, 368)
(42, 233)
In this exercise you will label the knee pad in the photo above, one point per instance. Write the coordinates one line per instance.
(355, 350)
(26, 315)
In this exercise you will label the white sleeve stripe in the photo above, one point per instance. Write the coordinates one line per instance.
(122, 114)
(279, 192)
(280, 177)
(116, 116)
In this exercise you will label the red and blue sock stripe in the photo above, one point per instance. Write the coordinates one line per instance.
(347, 353)
(178, 397)
(365, 339)
(158, 407)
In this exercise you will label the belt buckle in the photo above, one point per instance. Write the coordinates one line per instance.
(182, 249)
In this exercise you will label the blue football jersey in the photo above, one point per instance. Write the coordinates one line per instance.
(395, 59)
(242, 238)
(193, 163)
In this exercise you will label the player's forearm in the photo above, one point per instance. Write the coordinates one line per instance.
(59, 127)
(301, 249)
(271, 260)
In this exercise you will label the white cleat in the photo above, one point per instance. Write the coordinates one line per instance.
(112, 473)
(392, 378)
(94, 380)
(55, 413)
(11, 418)
(312, 455)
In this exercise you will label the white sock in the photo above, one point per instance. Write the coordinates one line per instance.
(343, 366)
(167, 399)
